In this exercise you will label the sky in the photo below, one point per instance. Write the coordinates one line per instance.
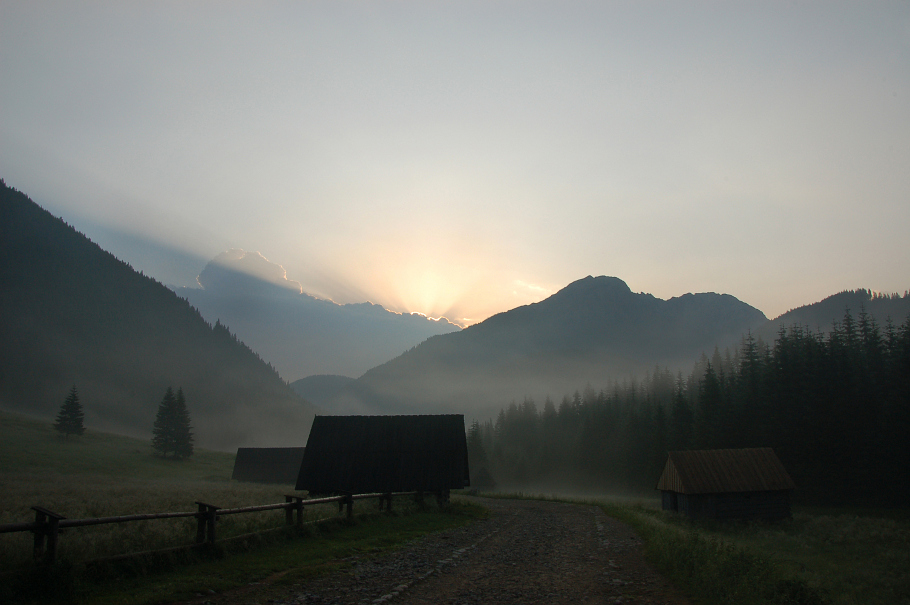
(460, 159)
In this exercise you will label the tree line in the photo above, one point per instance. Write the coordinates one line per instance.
(835, 407)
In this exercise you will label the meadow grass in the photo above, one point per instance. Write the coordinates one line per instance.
(839, 556)
(104, 475)
(100, 475)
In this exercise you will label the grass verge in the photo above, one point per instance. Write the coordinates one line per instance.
(839, 556)
(712, 568)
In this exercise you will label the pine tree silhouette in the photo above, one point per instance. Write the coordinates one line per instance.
(69, 419)
(172, 430)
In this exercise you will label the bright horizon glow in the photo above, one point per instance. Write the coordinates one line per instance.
(462, 159)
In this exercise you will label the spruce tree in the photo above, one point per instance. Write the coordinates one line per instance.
(172, 431)
(183, 436)
(69, 419)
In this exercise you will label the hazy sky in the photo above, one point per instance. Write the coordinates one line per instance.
(463, 158)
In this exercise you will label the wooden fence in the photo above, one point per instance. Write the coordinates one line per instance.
(47, 524)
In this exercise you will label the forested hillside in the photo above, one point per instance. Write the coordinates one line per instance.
(835, 407)
(71, 313)
(824, 314)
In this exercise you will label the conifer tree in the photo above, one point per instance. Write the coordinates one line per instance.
(172, 430)
(69, 419)
(183, 435)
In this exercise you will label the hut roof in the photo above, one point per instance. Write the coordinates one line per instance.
(366, 454)
(723, 471)
(268, 464)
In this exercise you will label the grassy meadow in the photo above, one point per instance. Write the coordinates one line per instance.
(104, 475)
(100, 475)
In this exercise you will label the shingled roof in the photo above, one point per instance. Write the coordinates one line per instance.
(724, 471)
(367, 454)
(268, 464)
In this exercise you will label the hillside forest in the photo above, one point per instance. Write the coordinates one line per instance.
(835, 406)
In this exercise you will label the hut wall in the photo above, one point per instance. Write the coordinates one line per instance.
(770, 505)
(362, 454)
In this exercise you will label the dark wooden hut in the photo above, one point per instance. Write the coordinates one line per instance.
(726, 484)
(384, 454)
(268, 464)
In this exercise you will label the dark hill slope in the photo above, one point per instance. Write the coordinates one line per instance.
(592, 330)
(822, 315)
(71, 313)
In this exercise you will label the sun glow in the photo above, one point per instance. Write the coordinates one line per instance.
(448, 292)
(427, 291)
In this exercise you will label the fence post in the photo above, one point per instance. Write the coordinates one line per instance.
(295, 503)
(48, 523)
(205, 524)
(299, 503)
(41, 522)
(349, 503)
(200, 523)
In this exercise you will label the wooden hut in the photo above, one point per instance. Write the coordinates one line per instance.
(385, 454)
(268, 464)
(726, 484)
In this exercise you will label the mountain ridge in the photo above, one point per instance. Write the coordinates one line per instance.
(593, 330)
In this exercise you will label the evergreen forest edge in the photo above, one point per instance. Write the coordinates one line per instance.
(835, 407)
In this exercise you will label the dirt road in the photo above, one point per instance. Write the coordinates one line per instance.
(525, 552)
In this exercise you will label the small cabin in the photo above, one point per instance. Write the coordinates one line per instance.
(746, 483)
(385, 454)
(268, 464)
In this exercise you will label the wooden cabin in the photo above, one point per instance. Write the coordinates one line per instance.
(385, 454)
(726, 484)
(268, 464)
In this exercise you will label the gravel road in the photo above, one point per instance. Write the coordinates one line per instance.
(527, 551)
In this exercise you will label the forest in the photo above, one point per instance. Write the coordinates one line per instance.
(834, 405)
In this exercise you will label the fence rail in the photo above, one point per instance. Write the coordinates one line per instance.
(47, 524)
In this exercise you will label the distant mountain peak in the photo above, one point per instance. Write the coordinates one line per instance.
(237, 271)
(601, 282)
(598, 290)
